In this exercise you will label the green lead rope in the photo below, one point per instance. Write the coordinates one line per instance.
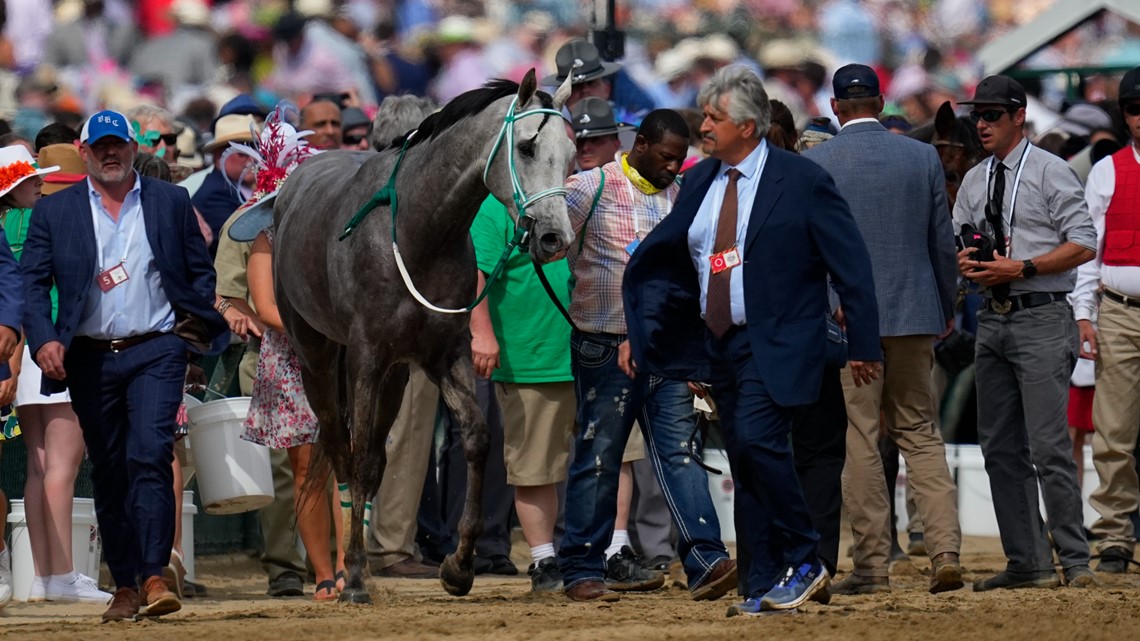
(384, 196)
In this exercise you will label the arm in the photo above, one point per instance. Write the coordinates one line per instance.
(1098, 194)
(261, 284)
(484, 347)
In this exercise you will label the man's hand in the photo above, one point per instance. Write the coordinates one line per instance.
(9, 338)
(484, 353)
(840, 318)
(50, 360)
(865, 372)
(949, 328)
(625, 360)
(995, 272)
(1088, 337)
(697, 389)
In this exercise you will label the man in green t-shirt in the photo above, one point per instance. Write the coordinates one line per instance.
(519, 340)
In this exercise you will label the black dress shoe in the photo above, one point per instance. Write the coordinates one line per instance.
(286, 584)
(660, 563)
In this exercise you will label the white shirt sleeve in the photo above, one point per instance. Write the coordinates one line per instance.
(1098, 194)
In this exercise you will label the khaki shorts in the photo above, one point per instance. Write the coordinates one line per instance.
(635, 446)
(538, 426)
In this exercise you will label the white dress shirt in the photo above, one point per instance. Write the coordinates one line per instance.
(1121, 279)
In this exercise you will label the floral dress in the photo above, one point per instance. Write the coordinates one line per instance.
(279, 414)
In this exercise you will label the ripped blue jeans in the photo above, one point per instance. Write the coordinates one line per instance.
(608, 404)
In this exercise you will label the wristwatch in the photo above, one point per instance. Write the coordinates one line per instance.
(1028, 270)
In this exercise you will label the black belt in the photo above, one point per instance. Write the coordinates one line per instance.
(1025, 301)
(115, 344)
(1127, 301)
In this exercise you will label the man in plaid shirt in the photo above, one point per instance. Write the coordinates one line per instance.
(612, 209)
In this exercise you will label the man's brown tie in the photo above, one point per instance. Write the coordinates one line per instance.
(718, 302)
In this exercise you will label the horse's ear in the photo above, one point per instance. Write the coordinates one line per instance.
(562, 94)
(527, 87)
(945, 122)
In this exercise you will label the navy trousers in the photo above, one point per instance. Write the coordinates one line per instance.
(777, 525)
(127, 403)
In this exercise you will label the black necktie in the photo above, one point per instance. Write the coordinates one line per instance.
(718, 299)
(994, 216)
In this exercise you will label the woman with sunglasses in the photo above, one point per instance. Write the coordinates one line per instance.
(1033, 205)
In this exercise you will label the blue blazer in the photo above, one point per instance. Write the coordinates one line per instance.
(11, 298)
(60, 250)
(800, 231)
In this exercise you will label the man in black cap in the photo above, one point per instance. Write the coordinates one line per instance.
(595, 133)
(1033, 205)
(593, 77)
(896, 189)
(1111, 194)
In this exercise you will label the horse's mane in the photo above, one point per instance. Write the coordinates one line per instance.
(467, 104)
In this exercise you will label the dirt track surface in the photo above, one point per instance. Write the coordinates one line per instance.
(502, 609)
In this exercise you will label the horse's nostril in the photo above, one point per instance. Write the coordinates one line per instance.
(550, 242)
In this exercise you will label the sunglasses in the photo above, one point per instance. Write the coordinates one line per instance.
(1132, 109)
(355, 139)
(989, 115)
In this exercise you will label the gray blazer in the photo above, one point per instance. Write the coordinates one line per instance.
(896, 189)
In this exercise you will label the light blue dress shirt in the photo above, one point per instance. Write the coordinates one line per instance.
(137, 305)
(702, 232)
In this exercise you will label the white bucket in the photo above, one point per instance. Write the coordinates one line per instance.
(722, 491)
(975, 502)
(233, 475)
(902, 516)
(86, 546)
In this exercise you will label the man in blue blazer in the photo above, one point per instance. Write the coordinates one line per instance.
(136, 293)
(896, 189)
(731, 288)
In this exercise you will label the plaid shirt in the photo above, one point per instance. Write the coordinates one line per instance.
(624, 214)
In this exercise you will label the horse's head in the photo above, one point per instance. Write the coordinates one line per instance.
(958, 145)
(528, 164)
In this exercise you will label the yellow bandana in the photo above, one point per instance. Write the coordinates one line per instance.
(643, 185)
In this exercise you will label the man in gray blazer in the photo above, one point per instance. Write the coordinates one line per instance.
(896, 190)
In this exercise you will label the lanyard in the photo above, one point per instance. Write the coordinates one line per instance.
(714, 218)
(633, 194)
(1013, 196)
(99, 239)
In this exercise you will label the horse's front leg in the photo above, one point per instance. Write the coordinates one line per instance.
(457, 385)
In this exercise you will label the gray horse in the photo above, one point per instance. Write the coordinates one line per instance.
(355, 324)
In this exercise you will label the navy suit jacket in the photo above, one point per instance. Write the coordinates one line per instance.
(11, 298)
(60, 250)
(799, 232)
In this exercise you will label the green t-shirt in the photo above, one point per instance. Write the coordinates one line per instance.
(16, 229)
(534, 338)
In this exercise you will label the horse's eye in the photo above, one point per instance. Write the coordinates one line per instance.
(526, 148)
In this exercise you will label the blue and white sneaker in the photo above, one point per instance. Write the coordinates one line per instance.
(750, 607)
(798, 586)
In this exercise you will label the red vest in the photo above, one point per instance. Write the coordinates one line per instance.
(1122, 220)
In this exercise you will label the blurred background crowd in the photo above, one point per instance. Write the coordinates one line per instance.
(63, 59)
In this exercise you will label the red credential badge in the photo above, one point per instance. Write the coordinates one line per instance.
(111, 278)
(726, 259)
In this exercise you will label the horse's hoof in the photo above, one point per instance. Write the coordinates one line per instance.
(456, 579)
(351, 595)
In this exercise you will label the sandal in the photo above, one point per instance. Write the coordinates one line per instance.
(329, 587)
(341, 580)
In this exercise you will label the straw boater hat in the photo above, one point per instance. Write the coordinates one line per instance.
(71, 167)
(16, 166)
(232, 128)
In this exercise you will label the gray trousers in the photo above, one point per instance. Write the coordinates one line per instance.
(1024, 360)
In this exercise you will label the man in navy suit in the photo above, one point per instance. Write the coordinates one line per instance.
(731, 288)
(136, 292)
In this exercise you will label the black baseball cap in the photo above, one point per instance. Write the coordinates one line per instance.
(1130, 85)
(998, 90)
(855, 81)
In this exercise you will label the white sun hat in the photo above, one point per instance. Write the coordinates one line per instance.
(17, 165)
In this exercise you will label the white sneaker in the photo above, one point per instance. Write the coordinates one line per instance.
(5, 577)
(83, 589)
(38, 591)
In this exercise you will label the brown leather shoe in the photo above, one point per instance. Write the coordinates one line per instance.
(945, 573)
(592, 590)
(718, 583)
(409, 568)
(158, 597)
(124, 605)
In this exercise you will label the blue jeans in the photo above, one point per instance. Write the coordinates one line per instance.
(773, 516)
(608, 404)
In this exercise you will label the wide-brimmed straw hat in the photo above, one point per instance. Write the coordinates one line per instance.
(16, 166)
(72, 169)
(232, 128)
